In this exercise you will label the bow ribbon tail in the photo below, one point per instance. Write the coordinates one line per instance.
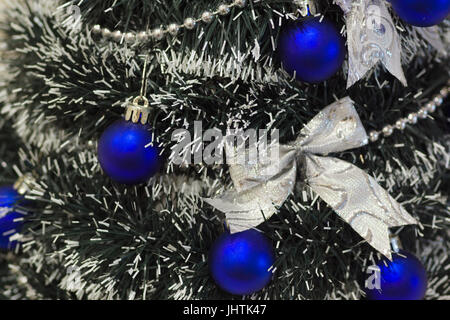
(371, 37)
(357, 198)
(431, 35)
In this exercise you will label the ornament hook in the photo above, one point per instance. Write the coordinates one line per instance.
(139, 110)
(22, 185)
(306, 7)
(396, 244)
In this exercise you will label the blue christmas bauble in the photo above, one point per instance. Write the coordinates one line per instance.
(314, 50)
(422, 13)
(403, 278)
(123, 154)
(240, 262)
(9, 197)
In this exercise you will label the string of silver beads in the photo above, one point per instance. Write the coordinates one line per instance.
(413, 117)
(172, 29)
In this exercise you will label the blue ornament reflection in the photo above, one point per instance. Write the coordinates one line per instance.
(123, 154)
(403, 278)
(422, 13)
(311, 48)
(240, 262)
(9, 197)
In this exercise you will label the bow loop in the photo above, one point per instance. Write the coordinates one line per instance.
(334, 129)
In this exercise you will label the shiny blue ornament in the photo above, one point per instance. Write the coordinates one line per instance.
(422, 13)
(123, 154)
(312, 49)
(404, 278)
(9, 197)
(239, 262)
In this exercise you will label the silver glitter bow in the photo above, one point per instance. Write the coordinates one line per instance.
(371, 37)
(259, 188)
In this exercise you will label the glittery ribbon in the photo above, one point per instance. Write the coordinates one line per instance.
(431, 35)
(261, 187)
(371, 37)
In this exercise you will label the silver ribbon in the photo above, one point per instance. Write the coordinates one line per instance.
(261, 187)
(371, 37)
(431, 35)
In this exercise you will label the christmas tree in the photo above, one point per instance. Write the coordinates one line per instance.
(68, 71)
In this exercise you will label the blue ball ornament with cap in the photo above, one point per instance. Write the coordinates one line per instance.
(311, 48)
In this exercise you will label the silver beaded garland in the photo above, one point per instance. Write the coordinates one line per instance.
(223, 9)
(413, 117)
(173, 29)
(401, 124)
(129, 37)
(207, 17)
(97, 29)
(117, 35)
(157, 34)
(142, 36)
(431, 107)
(190, 23)
(106, 33)
(388, 130)
(438, 101)
(423, 113)
(373, 136)
(240, 3)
